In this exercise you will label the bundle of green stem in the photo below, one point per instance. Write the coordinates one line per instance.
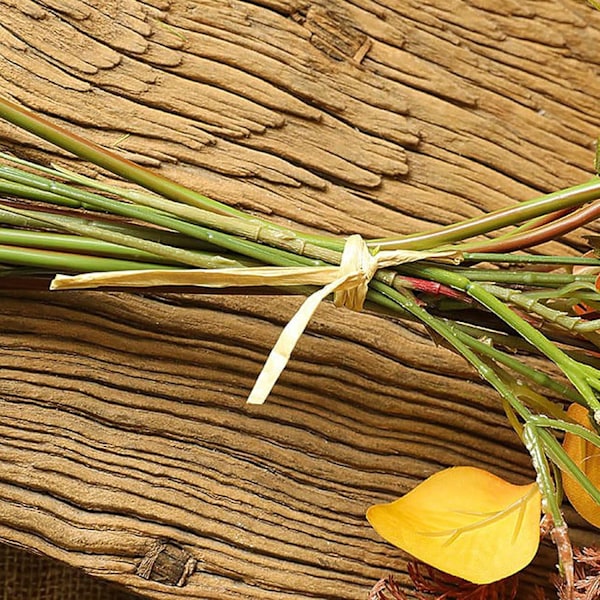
(55, 221)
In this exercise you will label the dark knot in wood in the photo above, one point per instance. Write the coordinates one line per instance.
(168, 563)
(333, 33)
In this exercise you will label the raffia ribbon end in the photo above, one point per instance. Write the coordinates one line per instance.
(55, 284)
(256, 399)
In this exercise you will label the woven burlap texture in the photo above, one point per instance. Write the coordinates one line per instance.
(26, 576)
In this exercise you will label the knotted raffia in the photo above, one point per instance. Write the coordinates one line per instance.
(349, 284)
(357, 267)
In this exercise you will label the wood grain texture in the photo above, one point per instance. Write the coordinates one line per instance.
(124, 437)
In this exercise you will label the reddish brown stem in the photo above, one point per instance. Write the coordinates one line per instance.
(543, 234)
(431, 287)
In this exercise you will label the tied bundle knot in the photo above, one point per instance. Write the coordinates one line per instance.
(359, 266)
(348, 282)
(350, 287)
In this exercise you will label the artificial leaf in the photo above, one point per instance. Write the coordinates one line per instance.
(587, 457)
(466, 522)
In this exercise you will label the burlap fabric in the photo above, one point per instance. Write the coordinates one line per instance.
(25, 576)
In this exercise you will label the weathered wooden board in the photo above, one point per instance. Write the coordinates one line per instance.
(124, 436)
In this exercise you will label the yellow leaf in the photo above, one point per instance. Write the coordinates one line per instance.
(466, 522)
(587, 457)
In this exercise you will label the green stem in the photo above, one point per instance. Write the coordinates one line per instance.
(21, 190)
(170, 253)
(532, 305)
(516, 365)
(578, 350)
(83, 148)
(440, 327)
(532, 436)
(245, 227)
(533, 441)
(577, 290)
(104, 158)
(572, 428)
(32, 186)
(529, 278)
(546, 233)
(566, 464)
(157, 217)
(573, 370)
(492, 257)
(73, 243)
(573, 196)
(57, 262)
(33, 219)
(130, 171)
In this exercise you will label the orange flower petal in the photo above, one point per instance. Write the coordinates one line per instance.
(587, 457)
(466, 522)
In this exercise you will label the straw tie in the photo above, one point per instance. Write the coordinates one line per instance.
(357, 267)
(349, 284)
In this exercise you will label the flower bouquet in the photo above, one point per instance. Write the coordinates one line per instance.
(478, 286)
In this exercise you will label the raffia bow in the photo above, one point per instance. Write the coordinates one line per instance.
(349, 284)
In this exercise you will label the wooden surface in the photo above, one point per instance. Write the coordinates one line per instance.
(124, 436)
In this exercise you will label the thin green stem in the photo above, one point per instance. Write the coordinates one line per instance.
(532, 439)
(527, 278)
(68, 262)
(514, 259)
(170, 253)
(157, 217)
(545, 233)
(576, 290)
(572, 428)
(572, 369)
(21, 190)
(130, 171)
(236, 225)
(32, 219)
(74, 243)
(410, 305)
(532, 305)
(573, 196)
(537, 377)
(104, 158)
(566, 464)
(24, 182)
(44, 129)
